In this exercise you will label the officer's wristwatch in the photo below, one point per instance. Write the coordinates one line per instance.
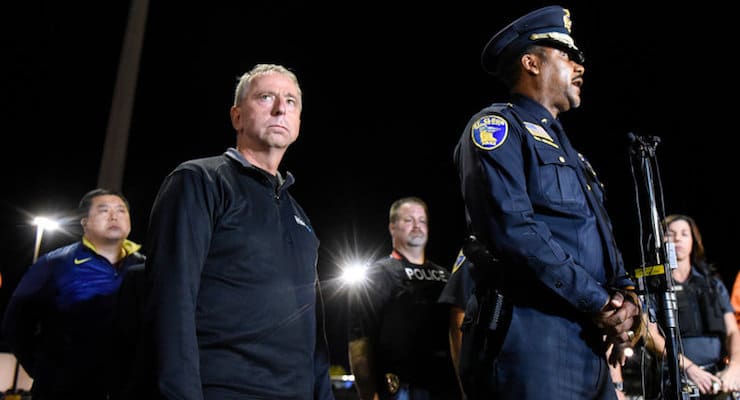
(619, 386)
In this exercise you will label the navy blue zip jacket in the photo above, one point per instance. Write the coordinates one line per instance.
(58, 322)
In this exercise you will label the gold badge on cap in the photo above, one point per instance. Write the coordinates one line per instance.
(489, 132)
(566, 19)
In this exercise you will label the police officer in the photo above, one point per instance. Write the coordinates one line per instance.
(537, 205)
(710, 356)
(398, 346)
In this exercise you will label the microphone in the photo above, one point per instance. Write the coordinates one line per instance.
(641, 144)
(645, 140)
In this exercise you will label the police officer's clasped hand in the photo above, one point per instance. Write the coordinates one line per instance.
(620, 318)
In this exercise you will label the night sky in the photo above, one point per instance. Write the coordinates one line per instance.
(387, 93)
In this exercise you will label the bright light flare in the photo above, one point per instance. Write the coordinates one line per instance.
(628, 352)
(350, 276)
(354, 273)
(42, 224)
(46, 224)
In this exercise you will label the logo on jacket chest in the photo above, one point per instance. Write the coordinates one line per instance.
(425, 274)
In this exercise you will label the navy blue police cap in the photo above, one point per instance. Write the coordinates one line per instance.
(548, 26)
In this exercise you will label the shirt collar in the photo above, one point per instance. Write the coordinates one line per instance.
(235, 155)
(534, 109)
(127, 248)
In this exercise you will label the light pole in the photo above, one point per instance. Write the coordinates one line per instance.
(42, 224)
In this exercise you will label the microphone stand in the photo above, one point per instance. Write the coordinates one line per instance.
(654, 275)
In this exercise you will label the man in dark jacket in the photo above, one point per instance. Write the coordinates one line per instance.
(234, 306)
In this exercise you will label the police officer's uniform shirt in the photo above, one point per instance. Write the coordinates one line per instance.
(525, 190)
(398, 311)
(537, 206)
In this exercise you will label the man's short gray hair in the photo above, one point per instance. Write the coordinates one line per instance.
(261, 69)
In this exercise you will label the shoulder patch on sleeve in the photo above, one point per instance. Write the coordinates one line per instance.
(458, 261)
(489, 132)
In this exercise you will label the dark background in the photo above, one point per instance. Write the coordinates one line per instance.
(387, 92)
